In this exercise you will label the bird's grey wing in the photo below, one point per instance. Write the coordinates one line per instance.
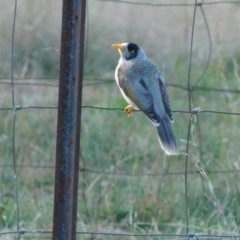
(165, 99)
(148, 106)
(136, 90)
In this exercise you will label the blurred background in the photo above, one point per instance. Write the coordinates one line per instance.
(127, 184)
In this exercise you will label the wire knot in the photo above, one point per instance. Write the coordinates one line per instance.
(22, 231)
(195, 110)
(17, 108)
(199, 3)
(193, 235)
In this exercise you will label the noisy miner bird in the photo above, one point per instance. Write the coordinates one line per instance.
(140, 83)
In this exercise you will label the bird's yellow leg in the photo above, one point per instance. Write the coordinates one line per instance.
(128, 110)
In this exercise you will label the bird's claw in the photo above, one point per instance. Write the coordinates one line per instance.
(128, 110)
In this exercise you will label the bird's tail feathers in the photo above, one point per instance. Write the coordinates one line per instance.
(166, 137)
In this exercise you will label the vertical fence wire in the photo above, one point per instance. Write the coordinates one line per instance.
(190, 121)
(14, 120)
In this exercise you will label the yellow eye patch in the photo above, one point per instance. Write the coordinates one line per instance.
(132, 51)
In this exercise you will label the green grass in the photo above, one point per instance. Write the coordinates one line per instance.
(145, 196)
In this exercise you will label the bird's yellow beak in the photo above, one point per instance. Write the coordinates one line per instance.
(118, 46)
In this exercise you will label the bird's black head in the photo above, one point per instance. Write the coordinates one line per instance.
(133, 50)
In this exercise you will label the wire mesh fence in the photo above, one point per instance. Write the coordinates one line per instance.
(127, 188)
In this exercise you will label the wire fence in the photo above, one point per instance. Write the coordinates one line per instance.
(128, 189)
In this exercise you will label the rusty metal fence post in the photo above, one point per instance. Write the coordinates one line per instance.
(69, 120)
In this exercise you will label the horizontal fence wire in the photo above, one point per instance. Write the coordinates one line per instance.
(199, 3)
(164, 236)
(171, 236)
(125, 174)
(88, 82)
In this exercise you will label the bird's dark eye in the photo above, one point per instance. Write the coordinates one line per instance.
(133, 47)
(133, 50)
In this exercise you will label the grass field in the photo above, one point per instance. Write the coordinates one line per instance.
(145, 192)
